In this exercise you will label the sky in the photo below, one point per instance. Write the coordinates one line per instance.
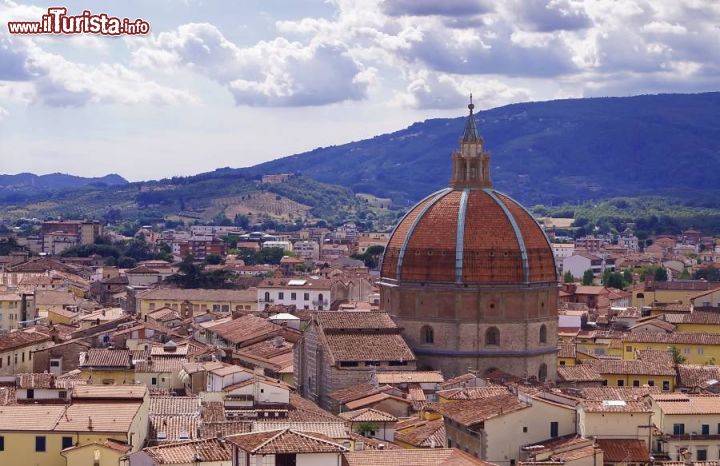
(221, 83)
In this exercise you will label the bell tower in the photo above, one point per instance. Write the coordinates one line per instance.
(471, 163)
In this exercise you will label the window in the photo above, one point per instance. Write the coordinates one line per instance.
(562, 363)
(701, 454)
(281, 295)
(40, 443)
(67, 442)
(706, 429)
(554, 429)
(651, 383)
(30, 394)
(293, 296)
(620, 383)
(427, 335)
(636, 383)
(492, 337)
(542, 372)
(62, 394)
(153, 381)
(23, 356)
(666, 385)
(267, 296)
(306, 296)
(525, 429)
(543, 334)
(54, 363)
(678, 429)
(2, 443)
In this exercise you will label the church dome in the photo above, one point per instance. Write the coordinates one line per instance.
(469, 233)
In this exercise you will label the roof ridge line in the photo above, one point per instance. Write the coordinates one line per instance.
(437, 196)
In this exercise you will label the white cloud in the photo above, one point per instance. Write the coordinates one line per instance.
(36, 75)
(3, 113)
(270, 73)
(438, 90)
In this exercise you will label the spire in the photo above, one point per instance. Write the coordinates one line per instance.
(471, 163)
(471, 133)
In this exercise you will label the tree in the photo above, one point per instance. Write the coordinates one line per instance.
(628, 276)
(661, 274)
(365, 428)
(605, 277)
(677, 356)
(568, 277)
(615, 280)
(213, 259)
(588, 277)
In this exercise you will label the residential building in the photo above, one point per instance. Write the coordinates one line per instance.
(341, 349)
(579, 262)
(315, 294)
(494, 428)
(34, 434)
(194, 302)
(688, 425)
(204, 452)
(561, 251)
(56, 236)
(284, 447)
(307, 249)
(17, 348)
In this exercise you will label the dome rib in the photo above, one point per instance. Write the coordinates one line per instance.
(460, 240)
(439, 195)
(518, 234)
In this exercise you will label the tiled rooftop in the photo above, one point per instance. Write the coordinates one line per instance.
(413, 457)
(367, 415)
(208, 450)
(471, 412)
(284, 441)
(368, 347)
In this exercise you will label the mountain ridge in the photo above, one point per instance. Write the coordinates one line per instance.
(580, 143)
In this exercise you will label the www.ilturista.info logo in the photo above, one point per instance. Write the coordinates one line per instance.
(57, 21)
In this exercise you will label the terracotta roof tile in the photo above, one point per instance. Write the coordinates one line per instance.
(96, 357)
(472, 412)
(245, 328)
(579, 373)
(617, 393)
(697, 376)
(413, 457)
(615, 406)
(367, 415)
(368, 347)
(688, 404)
(426, 434)
(19, 339)
(283, 442)
(624, 450)
(208, 450)
(358, 320)
(174, 405)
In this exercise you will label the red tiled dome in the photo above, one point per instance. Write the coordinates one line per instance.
(468, 236)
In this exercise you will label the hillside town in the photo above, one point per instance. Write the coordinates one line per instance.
(471, 333)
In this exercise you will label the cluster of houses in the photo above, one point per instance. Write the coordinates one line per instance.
(105, 366)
